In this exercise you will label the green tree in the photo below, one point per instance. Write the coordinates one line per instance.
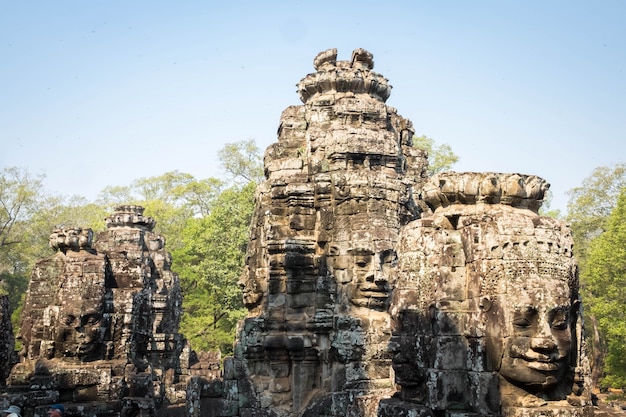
(588, 210)
(21, 195)
(212, 255)
(590, 205)
(605, 285)
(242, 161)
(440, 157)
(210, 262)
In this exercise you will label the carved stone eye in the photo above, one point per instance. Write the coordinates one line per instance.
(362, 263)
(91, 319)
(69, 320)
(560, 320)
(522, 322)
(525, 319)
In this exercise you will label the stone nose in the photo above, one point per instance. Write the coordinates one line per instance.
(380, 277)
(542, 344)
(375, 274)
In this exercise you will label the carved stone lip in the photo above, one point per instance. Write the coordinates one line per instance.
(544, 366)
(374, 294)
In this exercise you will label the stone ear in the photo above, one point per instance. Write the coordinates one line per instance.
(485, 304)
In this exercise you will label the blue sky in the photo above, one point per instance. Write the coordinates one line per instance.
(102, 93)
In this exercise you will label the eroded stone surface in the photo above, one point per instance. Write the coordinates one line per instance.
(371, 290)
(485, 311)
(100, 323)
(340, 185)
(7, 340)
(486, 307)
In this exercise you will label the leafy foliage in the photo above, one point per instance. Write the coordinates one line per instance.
(205, 222)
(20, 195)
(605, 285)
(440, 157)
(210, 262)
(242, 161)
(590, 205)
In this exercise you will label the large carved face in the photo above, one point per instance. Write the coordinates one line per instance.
(370, 286)
(81, 327)
(365, 276)
(252, 291)
(538, 333)
(253, 280)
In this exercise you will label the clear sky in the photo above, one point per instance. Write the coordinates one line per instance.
(102, 93)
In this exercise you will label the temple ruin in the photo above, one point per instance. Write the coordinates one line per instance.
(100, 324)
(371, 289)
(486, 309)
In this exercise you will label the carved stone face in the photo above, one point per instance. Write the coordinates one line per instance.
(252, 284)
(366, 276)
(83, 322)
(81, 332)
(538, 335)
(252, 291)
(370, 286)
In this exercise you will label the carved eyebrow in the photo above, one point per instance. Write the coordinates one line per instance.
(559, 309)
(361, 252)
(528, 308)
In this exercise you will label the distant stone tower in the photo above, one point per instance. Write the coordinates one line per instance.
(145, 286)
(100, 324)
(339, 186)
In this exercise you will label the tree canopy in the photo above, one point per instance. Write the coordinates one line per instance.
(21, 195)
(205, 222)
(593, 211)
(440, 157)
(591, 203)
(209, 263)
(605, 288)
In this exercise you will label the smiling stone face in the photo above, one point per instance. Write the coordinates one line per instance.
(81, 333)
(83, 320)
(538, 334)
(486, 300)
(370, 282)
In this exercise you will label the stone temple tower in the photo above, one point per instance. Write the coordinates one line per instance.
(100, 324)
(339, 186)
